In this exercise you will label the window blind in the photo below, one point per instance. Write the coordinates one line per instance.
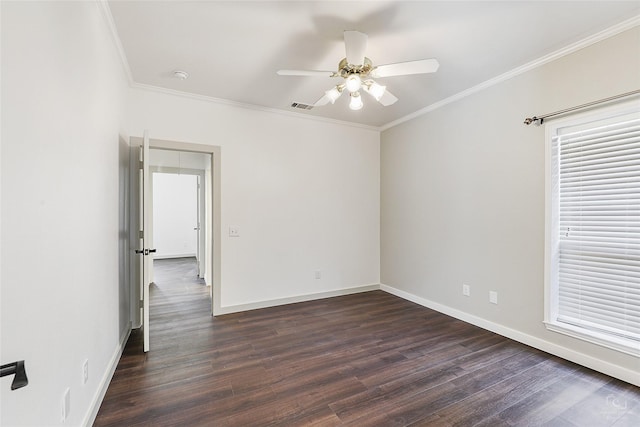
(598, 184)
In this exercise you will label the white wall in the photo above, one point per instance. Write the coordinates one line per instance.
(175, 215)
(462, 197)
(305, 195)
(64, 295)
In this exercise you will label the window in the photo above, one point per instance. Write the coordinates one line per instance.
(592, 266)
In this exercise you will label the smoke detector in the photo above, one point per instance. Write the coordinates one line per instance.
(181, 75)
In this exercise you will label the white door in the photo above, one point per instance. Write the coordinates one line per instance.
(145, 237)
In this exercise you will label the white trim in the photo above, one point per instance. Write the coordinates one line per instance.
(591, 362)
(106, 12)
(236, 104)
(91, 414)
(604, 340)
(292, 300)
(581, 44)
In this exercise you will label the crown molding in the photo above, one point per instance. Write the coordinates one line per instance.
(106, 11)
(103, 5)
(574, 47)
(235, 104)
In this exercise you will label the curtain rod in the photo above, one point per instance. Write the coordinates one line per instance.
(541, 118)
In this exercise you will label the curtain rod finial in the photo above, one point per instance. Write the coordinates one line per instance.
(533, 119)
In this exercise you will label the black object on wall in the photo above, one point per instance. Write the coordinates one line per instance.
(17, 368)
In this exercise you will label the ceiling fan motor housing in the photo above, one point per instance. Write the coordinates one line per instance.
(345, 69)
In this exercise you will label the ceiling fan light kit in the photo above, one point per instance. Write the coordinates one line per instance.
(358, 72)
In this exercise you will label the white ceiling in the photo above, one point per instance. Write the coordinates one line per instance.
(232, 49)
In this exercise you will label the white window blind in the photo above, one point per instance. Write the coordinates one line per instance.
(596, 168)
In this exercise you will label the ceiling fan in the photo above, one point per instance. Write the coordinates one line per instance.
(358, 73)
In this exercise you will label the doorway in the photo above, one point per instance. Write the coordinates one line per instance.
(176, 217)
(182, 159)
(181, 203)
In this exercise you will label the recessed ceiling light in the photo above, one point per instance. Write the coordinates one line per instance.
(182, 75)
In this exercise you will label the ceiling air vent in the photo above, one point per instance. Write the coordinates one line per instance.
(302, 106)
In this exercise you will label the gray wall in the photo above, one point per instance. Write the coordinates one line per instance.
(463, 197)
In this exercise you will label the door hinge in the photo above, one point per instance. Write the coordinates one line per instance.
(140, 234)
(141, 165)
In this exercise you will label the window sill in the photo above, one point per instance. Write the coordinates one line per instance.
(614, 343)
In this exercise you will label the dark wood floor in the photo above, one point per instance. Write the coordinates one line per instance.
(369, 359)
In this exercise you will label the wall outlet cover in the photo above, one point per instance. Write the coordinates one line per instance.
(493, 297)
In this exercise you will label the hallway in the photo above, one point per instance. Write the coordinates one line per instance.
(177, 296)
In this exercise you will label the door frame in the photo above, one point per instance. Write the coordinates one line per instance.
(215, 228)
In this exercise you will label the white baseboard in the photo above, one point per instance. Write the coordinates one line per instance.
(90, 417)
(591, 362)
(291, 300)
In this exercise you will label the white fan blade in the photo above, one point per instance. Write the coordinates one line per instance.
(322, 101)
(355, 44)
(307, 73)
(405, 68)
(388, 98)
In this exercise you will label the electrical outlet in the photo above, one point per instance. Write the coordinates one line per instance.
(318, 274)
(234, 231)
(66, 404)
(85, 371)
(466, 290)
(493, 297)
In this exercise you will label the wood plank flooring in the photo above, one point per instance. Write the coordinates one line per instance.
(369, 359)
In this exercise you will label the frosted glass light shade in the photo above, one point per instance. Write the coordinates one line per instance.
(353, 83)
(333, 94)
(377, 90)
(356, 101)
